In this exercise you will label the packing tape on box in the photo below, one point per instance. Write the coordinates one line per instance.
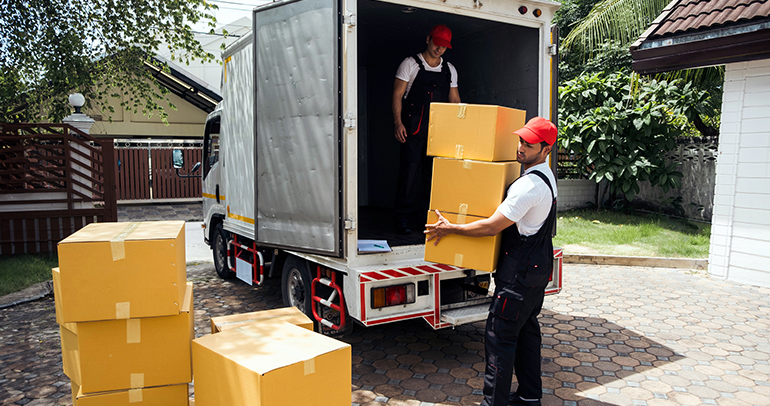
(458, 260)
(461, 110)
(459, 151)
(461, 213)
(135, 396)
(250, 333)
(117, 243)
(309, 366)
(466, 164)
(137, 381)
(123, 310)
(133, 331)
(227, 323)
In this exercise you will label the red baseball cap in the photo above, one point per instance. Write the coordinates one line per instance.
(538, 130)
(441, 36)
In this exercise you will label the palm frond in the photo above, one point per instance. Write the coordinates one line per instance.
(702, 77)
(619, 20)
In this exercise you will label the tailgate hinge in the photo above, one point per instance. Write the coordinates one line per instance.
(349, 19)
(349, 122)
(552, 50)
(350, 224)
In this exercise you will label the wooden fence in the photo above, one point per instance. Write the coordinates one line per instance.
(54, 179)
(144, 172)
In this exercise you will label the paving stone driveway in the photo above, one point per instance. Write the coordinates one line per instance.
(614, 336)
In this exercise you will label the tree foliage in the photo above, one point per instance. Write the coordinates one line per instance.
(618, 20)
(50, 48)
(622, 127)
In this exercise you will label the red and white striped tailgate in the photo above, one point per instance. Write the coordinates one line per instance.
(407, 272)
(431, 270)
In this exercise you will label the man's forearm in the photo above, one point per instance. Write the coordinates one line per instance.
(480, 228)
(397, 111)
(483, 228)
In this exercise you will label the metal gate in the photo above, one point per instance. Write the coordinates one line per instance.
(144, 172)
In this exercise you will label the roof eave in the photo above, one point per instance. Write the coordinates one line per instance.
(704, 48)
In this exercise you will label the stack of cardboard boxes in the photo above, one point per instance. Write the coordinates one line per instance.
(476, 151)
(125, 312)
(271, 357)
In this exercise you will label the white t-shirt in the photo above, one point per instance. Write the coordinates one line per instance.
(409, 68)
(529, 200)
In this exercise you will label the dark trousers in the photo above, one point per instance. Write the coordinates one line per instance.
(414, 177)
(514, 343)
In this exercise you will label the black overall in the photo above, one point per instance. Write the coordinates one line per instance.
(415, 168)
(513, 332)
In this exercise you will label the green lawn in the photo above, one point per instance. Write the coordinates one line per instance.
(22, 271)
(633, 234)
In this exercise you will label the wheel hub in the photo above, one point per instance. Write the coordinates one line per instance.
(296, 288)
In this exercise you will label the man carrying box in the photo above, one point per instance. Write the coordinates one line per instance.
(420, 79)
(526, 218)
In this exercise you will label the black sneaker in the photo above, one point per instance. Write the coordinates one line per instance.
(516, 400)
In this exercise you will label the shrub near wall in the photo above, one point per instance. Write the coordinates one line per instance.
(695, 198)
(622, 126)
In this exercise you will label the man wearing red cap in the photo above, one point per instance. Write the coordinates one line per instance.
(526, 219)
(420, 80)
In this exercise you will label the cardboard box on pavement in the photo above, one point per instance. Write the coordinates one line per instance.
(288, 314)
(474, 131)
(172, 395)
(112, 271)
(478, 253)
(470, 187)
(271, 363)
(116, 355)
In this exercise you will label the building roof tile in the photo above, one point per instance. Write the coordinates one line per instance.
(686, 16)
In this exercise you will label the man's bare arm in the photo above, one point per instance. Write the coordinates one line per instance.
(399, 88)
(482, 228)
(454, 95)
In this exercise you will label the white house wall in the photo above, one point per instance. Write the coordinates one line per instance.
(740, 232)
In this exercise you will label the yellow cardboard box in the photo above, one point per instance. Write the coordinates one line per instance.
(122, 270)
(114, 355)
(478, 253)
(288, 314)
(57, 293)
(474, 131)
(470, 187)
(172, 395)
(271, 363)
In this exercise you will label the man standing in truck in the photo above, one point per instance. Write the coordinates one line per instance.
(526, 218)
(420, 80)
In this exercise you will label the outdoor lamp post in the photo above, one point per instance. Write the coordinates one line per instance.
(77, 101)
(77, 119)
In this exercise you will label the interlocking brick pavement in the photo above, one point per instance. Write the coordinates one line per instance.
(614, 336)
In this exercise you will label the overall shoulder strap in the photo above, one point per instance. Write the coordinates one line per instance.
(542, 176)
(419, 62)
(550, 222)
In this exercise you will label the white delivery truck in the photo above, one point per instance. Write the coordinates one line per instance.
(300, 161)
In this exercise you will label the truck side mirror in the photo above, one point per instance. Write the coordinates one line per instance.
(195, 167)
(177, 159)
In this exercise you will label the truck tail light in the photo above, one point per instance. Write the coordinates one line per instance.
(392, 295)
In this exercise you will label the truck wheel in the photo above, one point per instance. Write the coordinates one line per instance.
(295, 285)
(221, 263)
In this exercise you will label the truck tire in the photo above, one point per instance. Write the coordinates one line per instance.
(295, 285)
(219, 248)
